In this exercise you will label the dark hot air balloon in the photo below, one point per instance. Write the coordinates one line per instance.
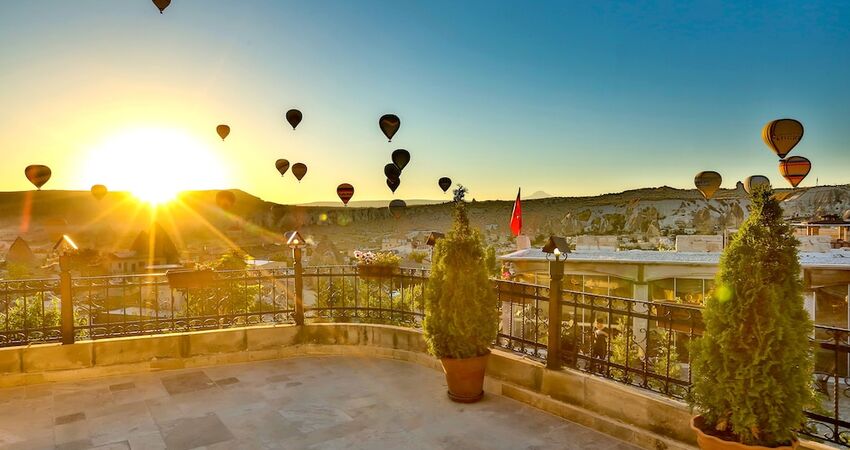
(795, 169)
(223, 131)
(392, 171)
(389, 124)
(98, 191)
(294, 116)
(708, 182)
(397, 208)
(754, 181)
(299, 170)
(782, 135)
(161, 4)
(38, 175)
(393, 184)
(282, 166)
(400, 158)
(225, 200)
(345, 191)
(445, 183)
(277, 212)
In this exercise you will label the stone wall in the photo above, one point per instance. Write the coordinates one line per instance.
(699, 243)
(642, 418)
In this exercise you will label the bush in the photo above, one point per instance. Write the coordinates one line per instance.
(752, 369)
(461, 314)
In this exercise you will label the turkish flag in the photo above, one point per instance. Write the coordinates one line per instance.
(516, 216)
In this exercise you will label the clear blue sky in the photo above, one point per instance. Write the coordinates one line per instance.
(574, 98)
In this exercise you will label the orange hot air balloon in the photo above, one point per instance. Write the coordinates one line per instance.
(38, 175)
(223, 131)
(161, 4)
(755, 181)
(795, 169)
(299, 170)
(225, 200)
(345, 191)
(389, 124)
(294, 117)
(708, 183)
(99, 191)
(282, 166)
(782, 135)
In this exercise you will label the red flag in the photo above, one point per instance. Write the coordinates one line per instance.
(516, 216)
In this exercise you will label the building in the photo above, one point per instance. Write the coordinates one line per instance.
(149, 252)
(20, 253)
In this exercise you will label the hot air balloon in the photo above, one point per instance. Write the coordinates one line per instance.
(225, 199)
(223, 131)
(161, 4)
(38, 175)
(400, 158)
(397, 208)
(277, 212)
(345, 191)
(708, 182)
(294, 116)
(794, 169)
(445, 183)
(393, 184)
(392, 171)
(782, 135)
(754, 181)
(282, 166)
(389, 124)
(299, 170)
(98, 191)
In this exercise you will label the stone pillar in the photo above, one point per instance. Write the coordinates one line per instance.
(640, 326)
(299, 286)
(553, 352)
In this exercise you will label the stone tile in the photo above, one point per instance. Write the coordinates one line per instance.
(227, 381)
(187, 382)
(122, 386)
(61, 420)
(301, 403)
(192, 432)
(122, 445)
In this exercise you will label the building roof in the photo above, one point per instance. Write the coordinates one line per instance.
(836, 259)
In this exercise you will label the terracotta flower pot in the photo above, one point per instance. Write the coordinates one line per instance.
(709, 442)
(465, 377)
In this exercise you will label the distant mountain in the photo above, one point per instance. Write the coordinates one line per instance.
(537, 196)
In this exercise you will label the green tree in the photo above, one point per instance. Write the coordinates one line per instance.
(752, 368)
(461, 315)
(490, 261)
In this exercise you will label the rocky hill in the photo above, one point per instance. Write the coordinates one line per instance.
(640, 214)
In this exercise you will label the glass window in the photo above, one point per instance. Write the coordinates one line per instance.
(831, 306)
(689, 291)
(661, 290)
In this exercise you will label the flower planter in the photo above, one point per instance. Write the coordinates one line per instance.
(709, 442)
(465, 378)
(190, 279)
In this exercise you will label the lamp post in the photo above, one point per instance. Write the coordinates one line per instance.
(296, 243)
(66, 295)
(558, 247)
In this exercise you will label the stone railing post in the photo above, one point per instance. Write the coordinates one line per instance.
(553, 352)
(66, 298)
(299, 286)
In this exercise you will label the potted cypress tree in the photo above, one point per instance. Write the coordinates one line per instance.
(752, 368)
(461, 315)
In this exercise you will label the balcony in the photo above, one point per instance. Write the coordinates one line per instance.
(217, 342)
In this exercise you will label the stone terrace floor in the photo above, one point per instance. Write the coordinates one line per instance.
(299, 403)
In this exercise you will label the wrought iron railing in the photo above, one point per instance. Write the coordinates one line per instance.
(639, 343)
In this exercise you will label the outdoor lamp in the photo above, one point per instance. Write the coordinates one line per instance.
(294, 239)
(557, 246)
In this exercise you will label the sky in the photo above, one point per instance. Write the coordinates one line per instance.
(571, 98)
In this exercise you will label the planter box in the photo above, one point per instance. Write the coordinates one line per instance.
(376, 271)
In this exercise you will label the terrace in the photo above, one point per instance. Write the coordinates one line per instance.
(331, 357)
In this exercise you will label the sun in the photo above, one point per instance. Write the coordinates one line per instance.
(154, 164)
